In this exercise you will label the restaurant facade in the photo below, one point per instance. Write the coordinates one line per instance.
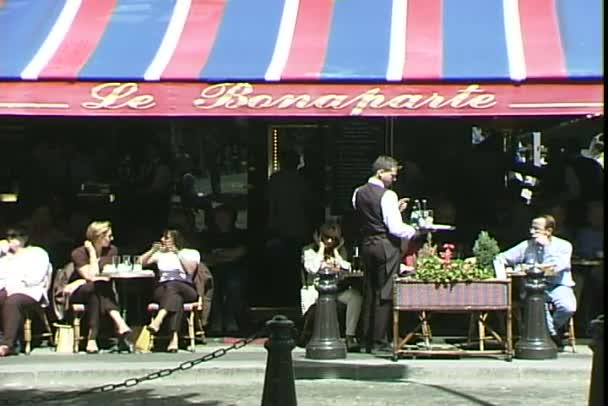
(350, 79)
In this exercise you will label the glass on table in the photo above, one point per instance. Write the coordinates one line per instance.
(429, 217)
(137, 266)
(126, 263)
(116, 262)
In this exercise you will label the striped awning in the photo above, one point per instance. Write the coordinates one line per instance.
(301, 40)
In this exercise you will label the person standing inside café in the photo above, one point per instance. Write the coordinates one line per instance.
(176, 267)
(225, 247)
(290, 226)
(87, 286)
(554, 255)
(24, 273)
(378, 210)
(589, 245)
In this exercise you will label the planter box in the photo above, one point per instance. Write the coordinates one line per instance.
(415, 295)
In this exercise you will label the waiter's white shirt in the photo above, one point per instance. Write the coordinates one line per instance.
(391, 216)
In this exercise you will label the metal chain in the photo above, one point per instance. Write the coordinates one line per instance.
(130, 382)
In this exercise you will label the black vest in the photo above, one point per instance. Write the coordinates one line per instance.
(369, 210)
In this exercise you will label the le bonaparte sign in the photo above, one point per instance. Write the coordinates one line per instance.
(297, 99)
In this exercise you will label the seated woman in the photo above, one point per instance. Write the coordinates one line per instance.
(176, 267)
(86, 286)
(328, 250)
(23, 279)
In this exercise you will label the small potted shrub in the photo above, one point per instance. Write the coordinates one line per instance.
(443, 282)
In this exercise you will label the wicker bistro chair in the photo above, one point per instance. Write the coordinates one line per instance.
(568, 333)
(39, 312)
(64, 310)
(197, 313)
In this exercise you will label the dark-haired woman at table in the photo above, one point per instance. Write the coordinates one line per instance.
(87, 287)
(176, 267)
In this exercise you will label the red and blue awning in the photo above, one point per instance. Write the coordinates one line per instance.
(302, 40)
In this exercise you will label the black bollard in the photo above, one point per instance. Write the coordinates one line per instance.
(279, 384)
(596, 388)
(325, 342)
(535, 342)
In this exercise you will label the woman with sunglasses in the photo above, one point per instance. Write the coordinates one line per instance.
(176, 267)
(86, 286)
(328, 250)
(24, 273)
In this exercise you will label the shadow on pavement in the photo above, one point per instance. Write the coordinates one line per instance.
(312, 369)
(122, 397)
(474, 400)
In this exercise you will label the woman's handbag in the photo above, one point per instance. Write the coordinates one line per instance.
(308, 293)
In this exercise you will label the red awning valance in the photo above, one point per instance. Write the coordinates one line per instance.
(281, 99)
(301, 40)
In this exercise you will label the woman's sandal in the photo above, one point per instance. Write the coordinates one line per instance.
(124, 343)
(5, 351)
(151, 329)
(171, 347)
(92, 349)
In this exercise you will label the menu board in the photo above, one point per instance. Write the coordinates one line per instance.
(356, 144)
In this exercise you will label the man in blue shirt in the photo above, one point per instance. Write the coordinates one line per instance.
(552, 254)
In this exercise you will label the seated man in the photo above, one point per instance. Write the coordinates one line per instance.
(328, 250)
(23, 275)
(553, 254)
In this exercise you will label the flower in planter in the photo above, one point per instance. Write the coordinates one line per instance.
(443, 268)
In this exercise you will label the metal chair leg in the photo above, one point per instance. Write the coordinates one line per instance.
(76, 325)
(47, 326)
(191, 336)
(571, 336)
(27, 333)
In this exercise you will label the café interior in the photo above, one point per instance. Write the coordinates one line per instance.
(476, 173)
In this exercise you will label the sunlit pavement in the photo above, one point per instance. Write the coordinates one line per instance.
(237, 378)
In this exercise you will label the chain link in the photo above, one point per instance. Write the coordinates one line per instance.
(130, 382)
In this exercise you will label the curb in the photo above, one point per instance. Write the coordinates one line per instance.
(358, 367)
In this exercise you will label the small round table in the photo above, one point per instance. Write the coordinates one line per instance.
(119, 277)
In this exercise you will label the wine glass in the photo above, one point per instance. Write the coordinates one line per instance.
(115, 262)
(137, 265)
(126, 262)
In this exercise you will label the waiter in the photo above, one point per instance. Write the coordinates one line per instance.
(379, 214)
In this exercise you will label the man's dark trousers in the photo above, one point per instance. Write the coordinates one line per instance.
(381, 257)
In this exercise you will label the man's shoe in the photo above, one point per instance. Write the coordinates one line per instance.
(559, 343)
(352, 345)
(381, 348)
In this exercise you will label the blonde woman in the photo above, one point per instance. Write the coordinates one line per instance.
(87, 287)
